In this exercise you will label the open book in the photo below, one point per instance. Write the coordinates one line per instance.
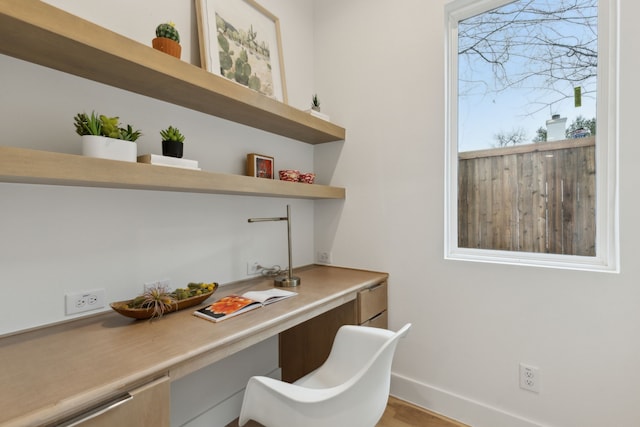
(233, 305)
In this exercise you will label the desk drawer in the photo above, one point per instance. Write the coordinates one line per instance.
(379, 321)
(371, 302)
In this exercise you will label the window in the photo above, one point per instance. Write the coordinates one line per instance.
(531, 133)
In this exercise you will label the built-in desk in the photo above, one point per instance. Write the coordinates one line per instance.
(50, 373)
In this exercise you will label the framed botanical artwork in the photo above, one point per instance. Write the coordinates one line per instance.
(240, 40)
(259, 166)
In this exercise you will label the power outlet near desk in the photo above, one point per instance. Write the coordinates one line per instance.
(324, 257)
(79, 302)
(253, 268)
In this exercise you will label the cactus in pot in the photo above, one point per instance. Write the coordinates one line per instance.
(168, 30)
(167, 39)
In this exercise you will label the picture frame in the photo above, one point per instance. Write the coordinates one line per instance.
(234, 34)
(260, 166)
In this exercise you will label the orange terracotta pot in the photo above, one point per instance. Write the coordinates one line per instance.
(166, 45)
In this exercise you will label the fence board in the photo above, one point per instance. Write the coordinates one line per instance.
(534, 198)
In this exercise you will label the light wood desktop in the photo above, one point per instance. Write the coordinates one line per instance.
(57, 371)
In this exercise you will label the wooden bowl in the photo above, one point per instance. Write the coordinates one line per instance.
(146, 313)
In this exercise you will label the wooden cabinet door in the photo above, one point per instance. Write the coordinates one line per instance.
(305, 347)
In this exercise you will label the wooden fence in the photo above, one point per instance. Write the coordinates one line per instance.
(530, 198)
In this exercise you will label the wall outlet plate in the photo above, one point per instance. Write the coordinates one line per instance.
(253, 268)
(81, 301)
(324, 257)
(529, 378)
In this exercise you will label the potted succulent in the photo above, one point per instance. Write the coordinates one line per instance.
(172, 142)
(103, 137)
(315, 108)
(167, 39)
(315, 103)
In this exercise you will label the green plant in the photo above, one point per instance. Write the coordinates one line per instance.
(102, 125)
(315, 102)
(128, 134)
(160, 298)
(169, 31)
(110, 127)
(172, 134)
(88, 125)
(157, 297)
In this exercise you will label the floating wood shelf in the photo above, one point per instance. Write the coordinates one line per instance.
(42, 34)
(21, 165)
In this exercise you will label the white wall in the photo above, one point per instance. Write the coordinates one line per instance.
(380, 72)
(55, 240)
(61, 239)
(378, 68)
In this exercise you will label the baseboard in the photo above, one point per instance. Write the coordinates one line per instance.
(227, 411)
(212, 396)
(451, 405)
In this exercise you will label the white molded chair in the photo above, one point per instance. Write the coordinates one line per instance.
(350, 389)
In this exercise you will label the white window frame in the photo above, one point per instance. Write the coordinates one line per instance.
(607, 235)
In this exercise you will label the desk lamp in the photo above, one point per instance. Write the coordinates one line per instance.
(289, 280)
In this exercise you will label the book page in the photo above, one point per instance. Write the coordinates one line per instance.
(269, 296)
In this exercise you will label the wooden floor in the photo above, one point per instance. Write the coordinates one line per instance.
(402, 414)
(399, 414)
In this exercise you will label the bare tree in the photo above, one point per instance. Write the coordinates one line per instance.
(547, 47)
(515, 136)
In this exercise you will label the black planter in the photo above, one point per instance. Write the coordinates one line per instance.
(172, 148)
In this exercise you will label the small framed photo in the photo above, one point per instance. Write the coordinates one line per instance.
(260, 166)
(240, 40)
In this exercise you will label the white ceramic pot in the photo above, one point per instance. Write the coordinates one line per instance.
(109, 148)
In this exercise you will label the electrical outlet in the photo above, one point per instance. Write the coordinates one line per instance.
(324, 257)
(530, 378)
(79, 302)
(253, 268)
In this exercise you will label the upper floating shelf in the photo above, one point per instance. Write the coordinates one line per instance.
(42, 34)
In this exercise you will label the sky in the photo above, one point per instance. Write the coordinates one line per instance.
(483, 110)
(481, 118)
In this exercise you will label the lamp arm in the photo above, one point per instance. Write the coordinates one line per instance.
(290, 280)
